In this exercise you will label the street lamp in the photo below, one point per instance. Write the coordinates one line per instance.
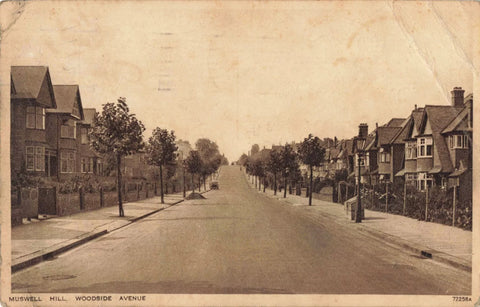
(359, 143)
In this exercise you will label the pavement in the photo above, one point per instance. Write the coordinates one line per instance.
(43, 239)
(443, 243)
(239, 241)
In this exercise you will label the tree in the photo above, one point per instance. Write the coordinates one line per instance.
(312, 154)
(211, 157)
(258, 169)
(161, 151)
(194, 165)
(242, 160)
(116, 131)
(274, 165)
(289, 164)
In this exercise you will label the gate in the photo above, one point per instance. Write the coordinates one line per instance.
(47, 201)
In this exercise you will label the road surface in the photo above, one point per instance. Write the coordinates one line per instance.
(239, 241)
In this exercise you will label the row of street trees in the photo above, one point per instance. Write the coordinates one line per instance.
(117, 133)
(285, 162)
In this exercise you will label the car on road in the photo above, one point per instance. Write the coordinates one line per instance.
(214, 185)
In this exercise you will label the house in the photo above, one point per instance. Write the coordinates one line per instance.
(438, 141)
(62, 131)
(31, 94)
(90, 161)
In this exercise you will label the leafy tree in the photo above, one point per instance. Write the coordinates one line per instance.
(161, 151)
(116, 131)
(312, 154)
(211, 158)
(289, 164)
(258, 169)
(274, 166)
(194, 165)
(243, 160)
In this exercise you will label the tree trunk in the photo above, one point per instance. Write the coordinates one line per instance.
(199, 183)
(119, 185)
(161, 185)
(184, 190)
(285, 186)
(311, 186)
(204, 183)
(193, 183)
(275, 184)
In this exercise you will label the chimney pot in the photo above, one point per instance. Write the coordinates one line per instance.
(363, 130)
(457, 96)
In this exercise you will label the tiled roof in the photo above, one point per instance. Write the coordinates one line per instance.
(455, 124)
(439, 117)
(386, 134)
(65, 96)
(27, 82)
(395, 122)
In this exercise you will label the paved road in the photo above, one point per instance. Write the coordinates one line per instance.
(239, 241)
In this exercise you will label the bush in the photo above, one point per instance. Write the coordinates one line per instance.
(90, 184)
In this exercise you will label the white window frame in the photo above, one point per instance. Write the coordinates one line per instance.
(423, 144)
(67, 131)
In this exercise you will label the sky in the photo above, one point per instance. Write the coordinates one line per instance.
(250, 72)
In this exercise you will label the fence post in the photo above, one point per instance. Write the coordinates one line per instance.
(404, 196)
(426, 202)
(155, 188)
(454, 203)
(146, 192)
(386, 197)
(138, 191)
(101, 197)
(81, 196)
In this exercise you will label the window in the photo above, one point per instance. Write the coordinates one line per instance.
(384, 156)
(36, 118)
(35, 158)
(424, 147)
(411, 177)
(459, 141)
(84, 135)
(423, 181)
(67, 162)
(410, 150)
(67, 131)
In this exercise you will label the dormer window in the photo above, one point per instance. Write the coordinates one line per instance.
(35, 118)
(424, 147)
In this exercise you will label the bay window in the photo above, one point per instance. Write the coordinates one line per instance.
(424, 147)
(67, 162)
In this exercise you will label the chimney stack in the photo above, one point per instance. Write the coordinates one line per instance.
(363, 130)
(457, 97)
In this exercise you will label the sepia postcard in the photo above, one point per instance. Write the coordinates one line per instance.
(239, 153)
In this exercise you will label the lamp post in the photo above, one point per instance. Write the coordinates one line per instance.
(359, 142)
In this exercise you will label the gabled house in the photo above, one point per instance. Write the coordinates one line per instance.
(62, 130)
(438, 144)
(31, 93)
(88, 160)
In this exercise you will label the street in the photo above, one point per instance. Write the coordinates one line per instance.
(239, 241)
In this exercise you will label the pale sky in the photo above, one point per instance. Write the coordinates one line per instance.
(241, 73)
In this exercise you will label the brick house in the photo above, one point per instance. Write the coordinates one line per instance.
(89, 162)
(31, 94)
(438, 141)
(62, 130)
